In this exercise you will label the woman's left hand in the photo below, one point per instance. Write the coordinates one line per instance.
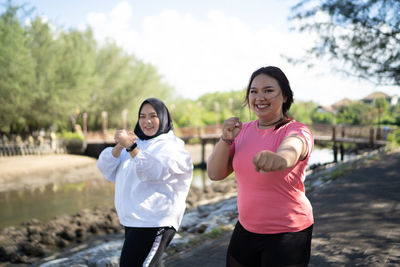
(268, 161)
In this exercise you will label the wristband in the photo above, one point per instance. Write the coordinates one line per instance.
(132, 147)
(229, 142)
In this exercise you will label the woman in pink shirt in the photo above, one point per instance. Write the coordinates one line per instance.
(269, 157)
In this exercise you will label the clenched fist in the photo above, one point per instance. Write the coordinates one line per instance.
(231, 128)
(124, 138)
(268, 161)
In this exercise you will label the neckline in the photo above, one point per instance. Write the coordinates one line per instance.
(271, 125)
(255, 123)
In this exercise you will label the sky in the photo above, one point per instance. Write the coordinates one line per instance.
(210, 45)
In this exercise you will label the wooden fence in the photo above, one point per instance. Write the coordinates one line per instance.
(47, 144)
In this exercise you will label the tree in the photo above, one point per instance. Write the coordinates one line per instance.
(326, 117)
(45, 110)
(381, 106)
(394, 117)
(123, 83)
(302, 111)
(362, 33)
(16, 72)
(50, 76)
(226, 104)
(356, 114)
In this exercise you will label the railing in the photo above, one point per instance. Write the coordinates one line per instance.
(372, 135)
(367, 135)
(30, 146)
(321, 132)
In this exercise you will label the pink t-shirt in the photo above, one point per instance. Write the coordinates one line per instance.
(274, 202)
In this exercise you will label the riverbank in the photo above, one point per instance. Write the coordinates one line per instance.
(34, 239)
(29, 172)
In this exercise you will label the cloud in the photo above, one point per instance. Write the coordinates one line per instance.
(213, 53)
(196, 56)
(113, 25)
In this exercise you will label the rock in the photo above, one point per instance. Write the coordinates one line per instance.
(33, 229)
(189, 220)
(6, 252)
(48, 238)
(35, 239)
(67, 234)
(102, 255)
(30, 250)
(107, 262)
(62, 243)
(32, 222)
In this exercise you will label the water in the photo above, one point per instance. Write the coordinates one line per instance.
(325, 155)
(46, 202)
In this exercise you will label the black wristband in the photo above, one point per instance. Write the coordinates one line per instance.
(132, 147)
(229, 142)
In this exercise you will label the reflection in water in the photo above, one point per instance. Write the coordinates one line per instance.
(46, 202)
(49, 201)
(200, 178)
(325, 155)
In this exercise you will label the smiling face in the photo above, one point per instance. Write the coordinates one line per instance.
(148, 120)
(265, 98)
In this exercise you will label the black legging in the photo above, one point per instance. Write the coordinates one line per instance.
(145, 246)
(272, 250)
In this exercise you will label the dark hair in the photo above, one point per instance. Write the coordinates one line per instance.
(283, 82)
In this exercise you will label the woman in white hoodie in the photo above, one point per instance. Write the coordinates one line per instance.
(152, 173)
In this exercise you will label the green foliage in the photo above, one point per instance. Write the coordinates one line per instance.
(356, 114)
(302, 111)
(52, 77)
(394, 115)
(73, 142)
(327, 118)
(210, 108)
(363, 34)
(187, 113)
(70, 136)
(16, 72)
(381, 107)
(394, 137)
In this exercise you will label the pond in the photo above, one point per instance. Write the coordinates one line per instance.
(46, 202)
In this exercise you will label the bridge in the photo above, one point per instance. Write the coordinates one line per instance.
(335, 136)
(365, 136)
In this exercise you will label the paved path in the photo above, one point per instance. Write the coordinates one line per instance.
(357, 222)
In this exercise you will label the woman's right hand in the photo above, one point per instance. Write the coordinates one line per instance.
(124, 138)
(231, 128)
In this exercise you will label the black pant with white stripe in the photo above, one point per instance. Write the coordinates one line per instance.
(145, 246)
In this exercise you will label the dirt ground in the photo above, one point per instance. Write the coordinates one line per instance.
(21, 172)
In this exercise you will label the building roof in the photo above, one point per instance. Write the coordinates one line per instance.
(376, 95)
(343, 102)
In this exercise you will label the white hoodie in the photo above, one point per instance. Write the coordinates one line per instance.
(150, 189)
